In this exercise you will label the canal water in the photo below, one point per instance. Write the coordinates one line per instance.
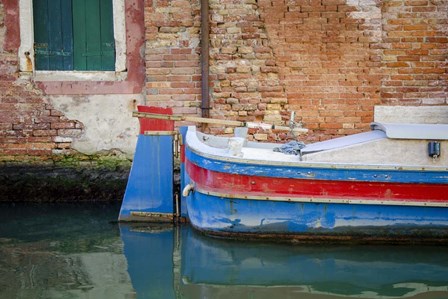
(79, 251)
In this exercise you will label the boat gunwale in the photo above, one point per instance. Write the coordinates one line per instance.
(308, 164)
(314, 164)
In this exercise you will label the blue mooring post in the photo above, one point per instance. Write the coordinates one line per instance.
(149, 194)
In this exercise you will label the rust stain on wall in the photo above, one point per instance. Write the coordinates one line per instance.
(29, 63)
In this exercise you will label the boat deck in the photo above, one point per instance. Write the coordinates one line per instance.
(372, 148)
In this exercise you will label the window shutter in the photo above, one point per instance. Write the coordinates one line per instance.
(94, 45)
(53, 43)
(107, 36)
(41, 34)
(67, 33)
(79, 34)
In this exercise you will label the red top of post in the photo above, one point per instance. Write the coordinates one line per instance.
(147, 124)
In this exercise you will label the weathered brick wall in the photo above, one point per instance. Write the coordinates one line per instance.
(45, 120)
(415, 57)
(246, 83)
(331, 61)
(29, 126)
(173, 75)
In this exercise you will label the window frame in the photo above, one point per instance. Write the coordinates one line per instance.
(26, 49)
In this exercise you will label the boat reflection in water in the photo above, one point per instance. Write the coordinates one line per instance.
(177, 262)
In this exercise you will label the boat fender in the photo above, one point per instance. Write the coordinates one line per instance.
(187, 189)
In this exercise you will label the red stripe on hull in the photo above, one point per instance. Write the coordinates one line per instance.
(227, 183)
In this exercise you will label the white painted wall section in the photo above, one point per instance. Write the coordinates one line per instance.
(107, 119)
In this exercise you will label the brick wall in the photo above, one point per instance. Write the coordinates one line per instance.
(415, 57)
(34, 121)
(173, 75)
(29, 126)
(246, 83)
(331, 61)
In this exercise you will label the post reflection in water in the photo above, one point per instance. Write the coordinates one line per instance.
(177, 262)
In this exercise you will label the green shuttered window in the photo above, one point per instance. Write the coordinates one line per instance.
(74, 35)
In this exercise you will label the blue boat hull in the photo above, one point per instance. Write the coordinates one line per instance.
(242, 218)
(256, 194)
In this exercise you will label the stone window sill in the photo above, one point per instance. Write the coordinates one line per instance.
(57, 76)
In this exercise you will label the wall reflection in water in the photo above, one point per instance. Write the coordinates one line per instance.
(79, 251)
(61, 251)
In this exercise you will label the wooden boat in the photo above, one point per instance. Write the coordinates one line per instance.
(388, 184)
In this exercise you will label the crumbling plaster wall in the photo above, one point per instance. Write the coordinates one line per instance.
(44, 120)
(107, 121)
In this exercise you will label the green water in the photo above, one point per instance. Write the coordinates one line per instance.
(79, 251)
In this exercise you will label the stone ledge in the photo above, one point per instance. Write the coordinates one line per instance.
(46, 183)
(412, 114)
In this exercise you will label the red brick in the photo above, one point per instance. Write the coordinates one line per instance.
(63, 125)
(44, 133)
(416, 3)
